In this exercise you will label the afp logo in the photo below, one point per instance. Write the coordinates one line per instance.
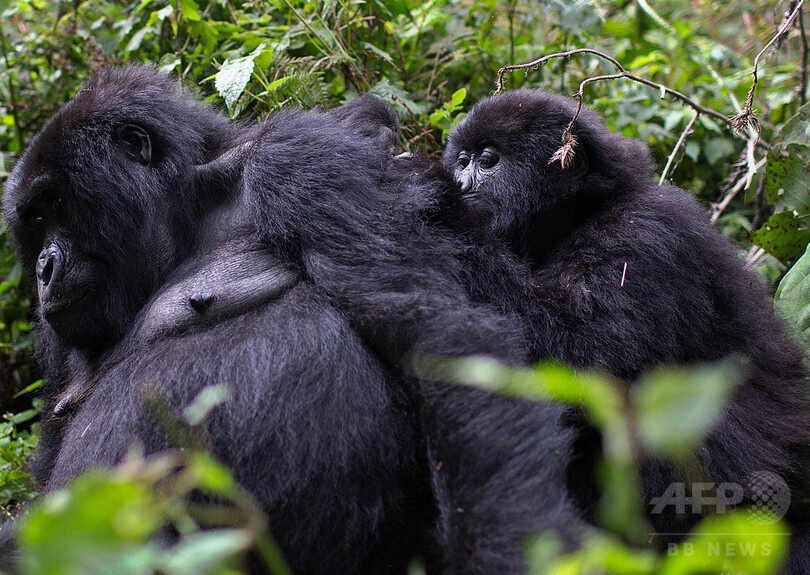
(767, 493)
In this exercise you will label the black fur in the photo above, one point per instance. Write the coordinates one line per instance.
(627, 275)
(498, 464)
(322, 434)
(150, 205)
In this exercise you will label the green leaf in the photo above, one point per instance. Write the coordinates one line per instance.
(233, 77)
(168, 63)
(205, 552)
(797, 129)
(211, 476)
(30, 388)
(729, 543)
(792, 300)
(96, 525)
(381, 53)
(787, 179)
(190, 10)
(677, 406)
(457, 99)
(210, 397)
(24, 416)
(135, 42)
(783, 237)
(717, 149)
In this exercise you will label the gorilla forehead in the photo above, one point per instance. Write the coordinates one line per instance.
(136, 94)
(501, 120)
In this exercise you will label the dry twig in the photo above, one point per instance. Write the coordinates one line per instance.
(669, 168)
(565, 153)
(741, 184)
(747, 118)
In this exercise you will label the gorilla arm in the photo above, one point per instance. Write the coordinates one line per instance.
(227, 282)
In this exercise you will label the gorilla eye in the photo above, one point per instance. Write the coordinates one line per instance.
(56, 204)
(488, 159)
(35, 221)
(463, 159)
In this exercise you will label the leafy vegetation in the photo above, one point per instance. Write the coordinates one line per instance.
(432, 60)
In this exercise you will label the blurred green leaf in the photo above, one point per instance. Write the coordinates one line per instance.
(206, 552)
(677, 406)
(729, 543)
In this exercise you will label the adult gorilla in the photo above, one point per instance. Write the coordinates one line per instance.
(129, 196)
(173, 249)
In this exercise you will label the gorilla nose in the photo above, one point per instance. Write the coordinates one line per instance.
(49, 265)
(465, 181)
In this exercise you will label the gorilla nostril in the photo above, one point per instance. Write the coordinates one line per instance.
(49, 265)
(47, 272)
(465, 182)
(200, 301)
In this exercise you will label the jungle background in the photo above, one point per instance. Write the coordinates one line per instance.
(432, 61)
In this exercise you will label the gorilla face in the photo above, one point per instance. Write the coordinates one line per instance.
(88, 284)
(499, 156)
(473, 167)
(101, 204)
(501, 159)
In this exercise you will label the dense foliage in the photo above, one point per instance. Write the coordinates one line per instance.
(431, 60)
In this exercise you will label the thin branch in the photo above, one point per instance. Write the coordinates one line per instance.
(677, 149)
(746, 118)
(534, 64)
(566, 152)
(755, 256)
(741, 184)
(623, 73)
(750, 160)
(805, 53)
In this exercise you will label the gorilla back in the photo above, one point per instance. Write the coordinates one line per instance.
(118, 206)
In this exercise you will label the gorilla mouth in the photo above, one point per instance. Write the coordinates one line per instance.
(55, 311)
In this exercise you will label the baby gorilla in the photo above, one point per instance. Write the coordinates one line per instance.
(627, 275)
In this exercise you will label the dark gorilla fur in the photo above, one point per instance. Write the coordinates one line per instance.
(130, 195)
(497, 464)
(173, 248)
(627, 275)
(684, 296)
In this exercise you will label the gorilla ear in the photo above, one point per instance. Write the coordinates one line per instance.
(580, 164)
(135, 142)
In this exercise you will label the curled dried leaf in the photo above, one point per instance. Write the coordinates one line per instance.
(744, 120)
(565, 153)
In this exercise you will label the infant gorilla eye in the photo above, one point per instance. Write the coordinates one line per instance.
(489, 158)
(56, 204)
(35, 221)
(463, 159)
